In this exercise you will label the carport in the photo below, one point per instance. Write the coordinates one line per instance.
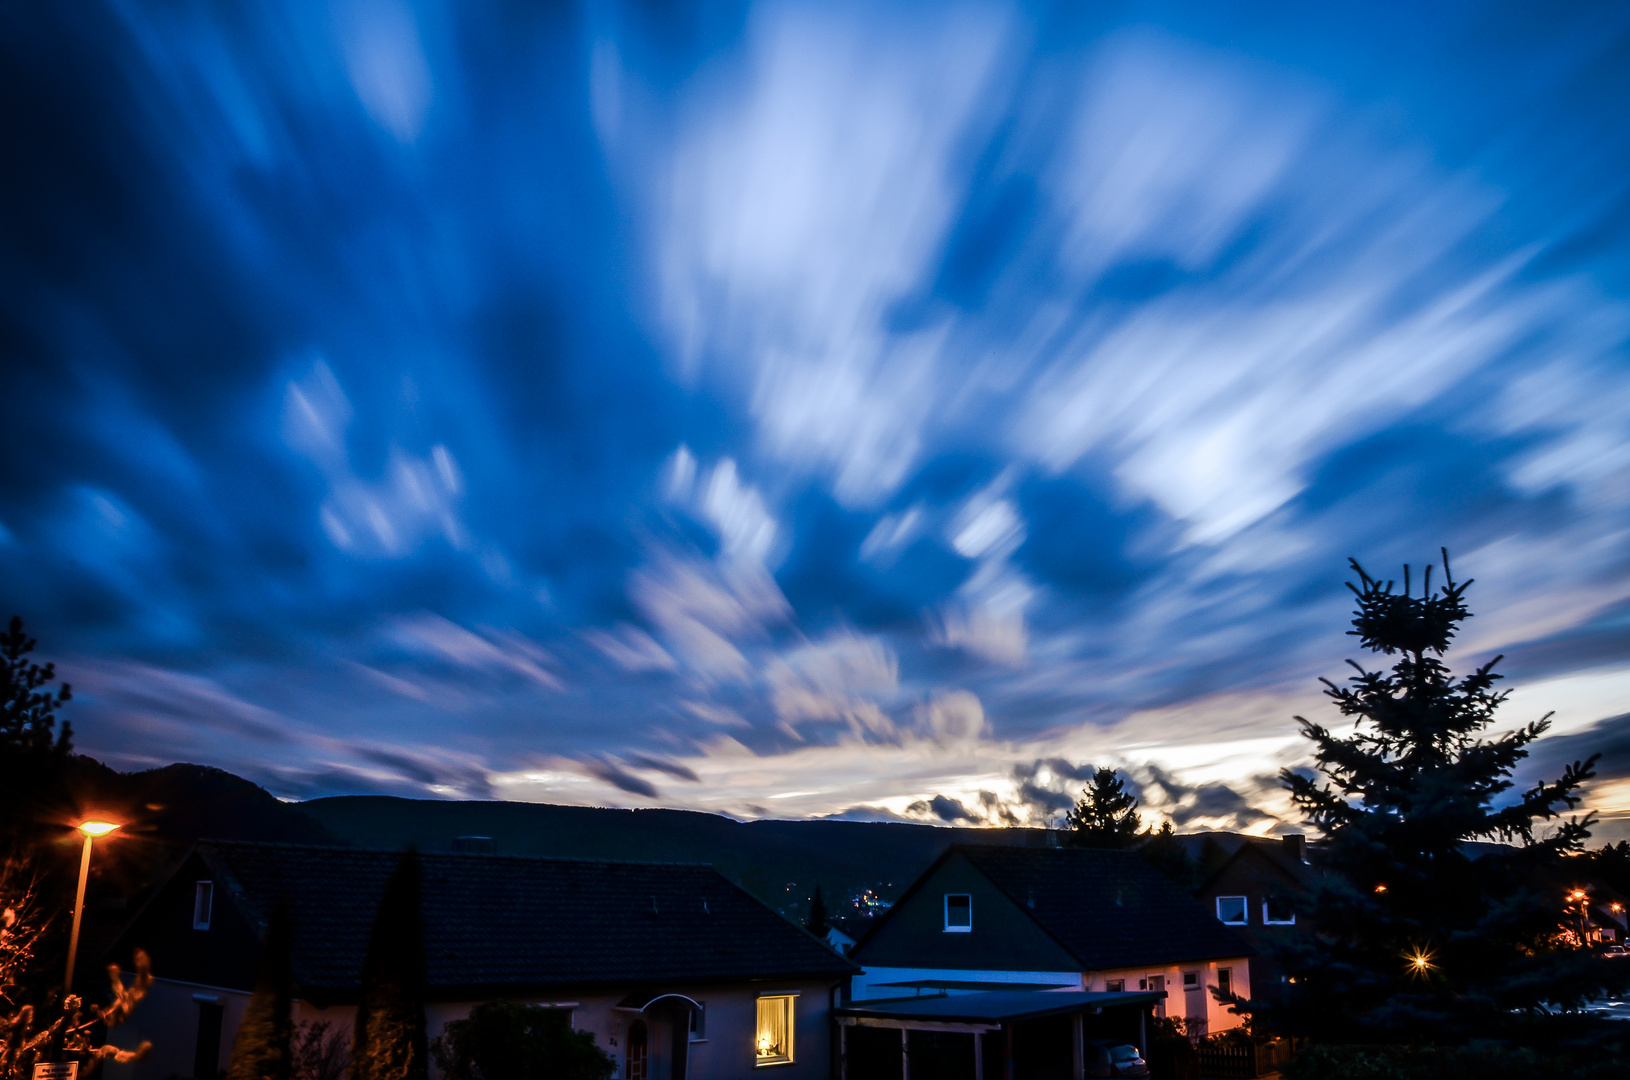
(998, 1035)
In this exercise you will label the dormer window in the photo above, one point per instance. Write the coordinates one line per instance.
(1233, 910)
(958, 913)
(203, 904)
(1276, 912)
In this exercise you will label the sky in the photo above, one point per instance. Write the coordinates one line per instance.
(884, 410)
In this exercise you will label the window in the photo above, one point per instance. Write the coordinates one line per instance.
(698, 1022)
(203, 901)
(1232, 910)
(1225, 980)
(774, 1042)
(1115, 986)
(958, 913)
(1191, 980)
(1275, 912)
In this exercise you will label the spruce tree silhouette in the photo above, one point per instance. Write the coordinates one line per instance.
(1105, 816)
(390, 1041)
(1412, 937)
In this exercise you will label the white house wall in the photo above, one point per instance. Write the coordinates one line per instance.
(169, 1019)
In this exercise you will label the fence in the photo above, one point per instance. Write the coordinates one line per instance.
(1242, 1062)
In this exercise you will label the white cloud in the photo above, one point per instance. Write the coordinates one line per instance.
(499, 652)
(703, 609)
(416, 497)
(385, 60)
(807, 192)
(632, 649)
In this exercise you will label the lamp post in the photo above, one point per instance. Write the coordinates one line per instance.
(91, 829)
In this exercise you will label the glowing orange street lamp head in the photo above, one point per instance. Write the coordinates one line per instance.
(96, 828)
(1577, 895)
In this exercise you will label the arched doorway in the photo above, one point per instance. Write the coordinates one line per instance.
(639, 1061)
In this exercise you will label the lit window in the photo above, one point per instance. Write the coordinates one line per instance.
(203, 902)
(1232, 910)
(1276, 912)
(958, 913)
(774, 1042)
(1115, 986)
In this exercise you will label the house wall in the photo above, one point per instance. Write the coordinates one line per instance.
(169, 1019)
(1254, 877)
(1197, 1004)
(1003, 937)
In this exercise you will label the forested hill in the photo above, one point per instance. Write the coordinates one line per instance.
(780, 861)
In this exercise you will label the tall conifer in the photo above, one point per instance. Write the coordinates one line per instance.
(390, 1041)
(1106, 814)
(1416, 934)
(262, 1050)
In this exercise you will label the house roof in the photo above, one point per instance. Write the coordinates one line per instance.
(506, 921)
(1274, 854)
(1108, 909)
(997, 1006)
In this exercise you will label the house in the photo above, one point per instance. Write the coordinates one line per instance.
(997, 919)
(1250, 893)
(677, 972)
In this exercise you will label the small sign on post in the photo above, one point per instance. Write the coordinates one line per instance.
(56, 1070)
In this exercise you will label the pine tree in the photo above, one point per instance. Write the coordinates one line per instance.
(1165, 852)
(1106, 815)
(390, 1041)
(263, 1048)
(819, 921)
(33, 752)
(1414, 939)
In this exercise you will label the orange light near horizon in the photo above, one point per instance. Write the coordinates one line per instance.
(1380, 888)
(96, 828)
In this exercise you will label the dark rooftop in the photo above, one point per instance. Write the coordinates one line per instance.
(996, 1007)
(1108, 908)
(506, 921)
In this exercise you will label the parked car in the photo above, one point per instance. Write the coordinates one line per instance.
(1615, 952)
(1109, 1058)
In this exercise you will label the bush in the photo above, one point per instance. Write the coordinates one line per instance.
(508, 1040)
(1384, 1062)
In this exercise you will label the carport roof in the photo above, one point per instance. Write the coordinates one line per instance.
(997, 1006)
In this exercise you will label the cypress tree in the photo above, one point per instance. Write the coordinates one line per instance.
(819, 921)
(1414, 939)
(262, 1050)
(390, 1041)
(1105, 816)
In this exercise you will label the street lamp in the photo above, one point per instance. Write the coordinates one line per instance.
(91, 829)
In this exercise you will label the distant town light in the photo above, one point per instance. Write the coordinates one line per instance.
(1381, 888)
(96, 828)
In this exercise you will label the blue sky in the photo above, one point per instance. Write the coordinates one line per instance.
(876, 409)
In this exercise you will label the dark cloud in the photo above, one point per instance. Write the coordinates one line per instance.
(602, 769)
(943, 807)
(671, 768)
(1213, 800)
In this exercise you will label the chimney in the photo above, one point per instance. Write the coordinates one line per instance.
(1295, 845)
